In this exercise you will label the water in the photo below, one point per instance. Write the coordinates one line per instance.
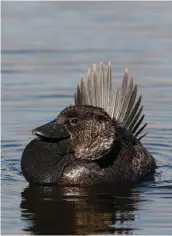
(46, 47)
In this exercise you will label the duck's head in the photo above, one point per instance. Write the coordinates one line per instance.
(90, 131)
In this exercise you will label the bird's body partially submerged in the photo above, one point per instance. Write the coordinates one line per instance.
(95, 141)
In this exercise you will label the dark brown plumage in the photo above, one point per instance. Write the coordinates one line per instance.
(99, 135)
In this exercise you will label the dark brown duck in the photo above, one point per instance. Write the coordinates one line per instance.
(95, 141)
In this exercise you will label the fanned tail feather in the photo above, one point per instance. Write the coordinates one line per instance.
(121, 104)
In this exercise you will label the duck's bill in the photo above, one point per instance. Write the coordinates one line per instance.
(52, 130)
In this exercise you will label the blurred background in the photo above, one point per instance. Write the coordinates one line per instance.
(45, 48)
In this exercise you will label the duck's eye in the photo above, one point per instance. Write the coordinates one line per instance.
(73, 121)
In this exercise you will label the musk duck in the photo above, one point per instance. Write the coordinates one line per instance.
(95, 141)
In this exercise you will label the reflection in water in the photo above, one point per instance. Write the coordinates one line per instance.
(76, 210)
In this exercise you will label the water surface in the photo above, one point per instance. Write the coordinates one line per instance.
(46, 47)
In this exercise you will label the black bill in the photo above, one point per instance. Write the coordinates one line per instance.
(52, 130)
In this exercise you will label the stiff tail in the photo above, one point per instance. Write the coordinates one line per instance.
(121, 104)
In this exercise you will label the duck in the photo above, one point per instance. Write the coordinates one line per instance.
(95, 141)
